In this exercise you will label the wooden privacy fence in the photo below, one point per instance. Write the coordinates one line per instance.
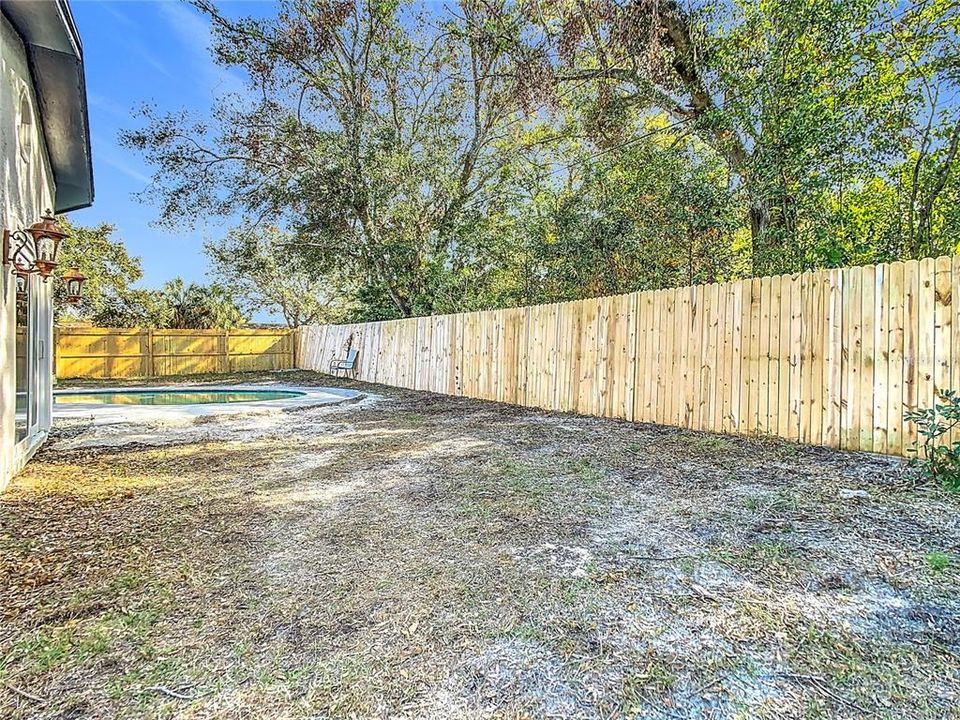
(832, 357)
(144, 352)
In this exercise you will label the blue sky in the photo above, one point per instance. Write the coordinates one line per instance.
(155, 52)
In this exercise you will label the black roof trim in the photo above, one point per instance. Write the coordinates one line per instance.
(55, 57)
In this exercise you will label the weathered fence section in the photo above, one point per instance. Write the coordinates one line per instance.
(145, 352)
(832, 357)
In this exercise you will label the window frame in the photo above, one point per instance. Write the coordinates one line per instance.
(25, 127)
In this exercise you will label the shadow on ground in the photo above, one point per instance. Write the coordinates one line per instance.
(420, 556)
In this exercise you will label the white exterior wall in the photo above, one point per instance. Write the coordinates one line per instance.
(27, 191)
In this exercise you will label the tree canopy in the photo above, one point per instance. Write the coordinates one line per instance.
(110, 270)
(405, 159)
(267, 271)
(111, 299)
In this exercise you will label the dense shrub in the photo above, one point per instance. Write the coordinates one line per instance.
(938, 460)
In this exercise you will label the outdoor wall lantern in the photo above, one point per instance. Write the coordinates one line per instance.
(34, 249)
(73, 279)
(22, 286)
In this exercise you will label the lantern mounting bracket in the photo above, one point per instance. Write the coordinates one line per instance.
(33, 249)
(17, 251)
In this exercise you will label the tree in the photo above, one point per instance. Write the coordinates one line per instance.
(267, 269)
(109, 300)
(914, 151)
(379, 142)
(198, 307)
(497, 153)
(787, 93)
(135, 308)
(655, 212)
(109, 268)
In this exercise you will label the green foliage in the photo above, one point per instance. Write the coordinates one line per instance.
(374, 139)
(642, 218)
(274, 271)
(806, 103)
(135, 308)
(939, 561)
(938, 460)
(395, 160)
(110, 300)
(109, 269)
(197, 306)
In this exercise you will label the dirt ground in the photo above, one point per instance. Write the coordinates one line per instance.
(417, 556)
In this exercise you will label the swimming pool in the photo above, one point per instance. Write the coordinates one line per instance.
(185, 403)
(173, 397)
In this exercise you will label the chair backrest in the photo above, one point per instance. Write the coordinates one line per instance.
(352, 355)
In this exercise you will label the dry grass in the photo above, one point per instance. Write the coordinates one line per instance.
(431, 557)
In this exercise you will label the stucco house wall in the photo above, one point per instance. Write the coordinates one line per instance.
(28, 190)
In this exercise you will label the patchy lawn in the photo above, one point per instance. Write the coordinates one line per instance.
(418, 556)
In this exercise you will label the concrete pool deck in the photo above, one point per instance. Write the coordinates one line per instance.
(108, 414)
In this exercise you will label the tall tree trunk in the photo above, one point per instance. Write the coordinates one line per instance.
(759, 216)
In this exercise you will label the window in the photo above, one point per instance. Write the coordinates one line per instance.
(25, 128)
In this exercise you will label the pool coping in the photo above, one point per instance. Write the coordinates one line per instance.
(103, 413)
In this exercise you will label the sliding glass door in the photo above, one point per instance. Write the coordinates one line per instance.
(27, 358)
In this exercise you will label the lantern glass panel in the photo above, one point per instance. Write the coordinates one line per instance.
(46, 249)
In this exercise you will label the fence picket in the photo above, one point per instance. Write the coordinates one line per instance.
(852, 357)
(868, 357)
(895, 358)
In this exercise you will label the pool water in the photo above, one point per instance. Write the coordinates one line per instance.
(173, 397)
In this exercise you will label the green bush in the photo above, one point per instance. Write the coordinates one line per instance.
(937, 460)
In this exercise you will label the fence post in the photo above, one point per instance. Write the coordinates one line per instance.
(150, 369)
(225, 351)
(55, 356)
